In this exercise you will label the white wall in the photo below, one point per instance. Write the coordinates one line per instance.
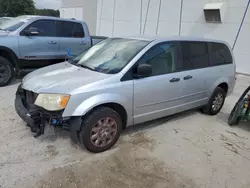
(127, 17)
(84, 10)
(242, 48)
(72, 12)
(124, 17)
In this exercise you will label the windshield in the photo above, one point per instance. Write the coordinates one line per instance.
(111, 55)
(13, 24)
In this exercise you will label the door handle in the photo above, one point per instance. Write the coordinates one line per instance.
(52, 42)
(82, 43)
(188, 77)
(175, 80)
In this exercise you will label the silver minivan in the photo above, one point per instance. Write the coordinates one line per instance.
(125, 81)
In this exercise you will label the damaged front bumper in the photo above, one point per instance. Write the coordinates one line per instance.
(36, 117)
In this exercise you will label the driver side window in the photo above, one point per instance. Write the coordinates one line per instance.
(46, 28)
(162, 58)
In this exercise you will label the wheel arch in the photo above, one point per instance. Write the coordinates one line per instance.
(117, 108)
(10, 55)
(76, 120)
(222, 83)
(111, 100)
(224, 86)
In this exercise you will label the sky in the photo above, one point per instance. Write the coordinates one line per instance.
(52, 4)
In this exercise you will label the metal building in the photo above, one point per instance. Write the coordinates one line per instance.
(228, 20)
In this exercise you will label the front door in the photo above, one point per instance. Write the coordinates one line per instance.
(72, 37)
(160, 94)
(39, 50)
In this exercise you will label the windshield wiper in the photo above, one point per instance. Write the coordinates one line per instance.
(86, 67)
(72, 61)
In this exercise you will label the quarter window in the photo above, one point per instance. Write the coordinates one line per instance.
(78, 31)
(195, 55)
(46, 28)
(220, 54)
(69, 29)
(162, 58)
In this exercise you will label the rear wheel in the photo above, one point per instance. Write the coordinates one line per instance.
(216, 102)
(6, 72)
(100, 130)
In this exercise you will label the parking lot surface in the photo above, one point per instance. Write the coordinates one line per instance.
(186, 150)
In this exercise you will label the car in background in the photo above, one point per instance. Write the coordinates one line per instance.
(3, 19)
(30, 42)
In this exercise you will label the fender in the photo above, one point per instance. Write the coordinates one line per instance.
(86, 106)
(98, 100)
(12, 55)
(218, 82)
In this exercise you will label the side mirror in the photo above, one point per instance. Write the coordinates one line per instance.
(143, 70)
(31, 32)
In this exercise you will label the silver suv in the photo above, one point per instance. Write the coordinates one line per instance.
(125, 81)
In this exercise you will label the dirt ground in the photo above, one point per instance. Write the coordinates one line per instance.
(186, 150)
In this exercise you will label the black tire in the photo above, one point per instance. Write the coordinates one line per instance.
(234, 117)
(91, 120)
(7, 72)
(208, 109)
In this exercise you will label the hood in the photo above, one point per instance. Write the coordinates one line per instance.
(3, 33)
(60, 78)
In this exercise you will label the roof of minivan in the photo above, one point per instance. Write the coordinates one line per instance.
(176, 38)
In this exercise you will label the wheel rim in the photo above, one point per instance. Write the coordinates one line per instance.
(103, 132)
(4, 73)
(218, 102)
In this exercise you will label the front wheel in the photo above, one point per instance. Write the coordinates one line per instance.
(100, 130)
(216, 102)
(6, 72)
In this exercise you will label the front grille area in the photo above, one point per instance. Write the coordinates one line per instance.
(36, 117)
(28, 97)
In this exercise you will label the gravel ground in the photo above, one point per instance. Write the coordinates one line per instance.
(186, 150)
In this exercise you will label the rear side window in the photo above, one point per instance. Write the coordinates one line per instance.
(195, 55)
(220, 54)
(69, 29)
(78, 31)
(65, 29)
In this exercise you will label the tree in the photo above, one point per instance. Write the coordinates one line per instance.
(1, 8)
(15, 8)
(48, 12)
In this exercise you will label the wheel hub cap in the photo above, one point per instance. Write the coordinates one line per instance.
(218, 101)
(103, 132)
